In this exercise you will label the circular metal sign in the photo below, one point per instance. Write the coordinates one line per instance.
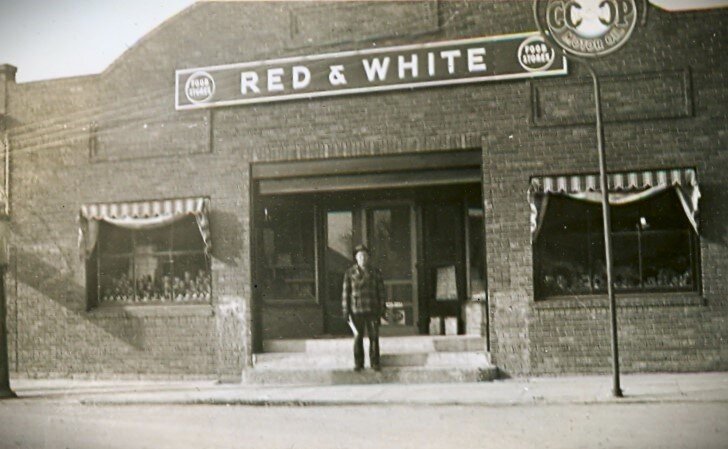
(535, 54)
(200, 87)
(590, 28)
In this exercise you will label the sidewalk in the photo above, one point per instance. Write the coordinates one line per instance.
(637, 388)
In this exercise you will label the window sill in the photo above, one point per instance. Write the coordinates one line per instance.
(624, 300)
(153, 310)
(291, 302)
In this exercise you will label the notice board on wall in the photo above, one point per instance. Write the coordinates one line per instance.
(446, 288)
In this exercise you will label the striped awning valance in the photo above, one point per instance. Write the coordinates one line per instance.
(624, 188)
(142, 215)
(617, 182)
(145, 209)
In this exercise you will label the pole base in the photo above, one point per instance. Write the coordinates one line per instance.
(7, 394)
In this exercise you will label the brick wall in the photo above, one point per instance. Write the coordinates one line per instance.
(51, 331)
(85, 140)
(656, 332)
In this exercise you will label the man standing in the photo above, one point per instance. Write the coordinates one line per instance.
(362, 300)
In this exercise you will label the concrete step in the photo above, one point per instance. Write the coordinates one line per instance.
(408, 359)
(388, 345)
(344, 360)
(408, 375)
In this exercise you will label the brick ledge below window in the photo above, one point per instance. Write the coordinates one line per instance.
(153, 310)
(291, 303)
(679, 299)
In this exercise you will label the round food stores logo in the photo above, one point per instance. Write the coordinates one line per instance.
(591, 27)
(199, 87)
(535, 54)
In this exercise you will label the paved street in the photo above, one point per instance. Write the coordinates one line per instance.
(666, 411)
(36, 425)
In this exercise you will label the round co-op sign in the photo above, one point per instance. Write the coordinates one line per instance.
(590, 27)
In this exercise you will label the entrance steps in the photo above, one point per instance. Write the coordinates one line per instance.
(412, 359)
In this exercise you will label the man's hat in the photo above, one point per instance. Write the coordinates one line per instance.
(358, 248)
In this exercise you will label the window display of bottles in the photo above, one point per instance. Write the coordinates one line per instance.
(165, 264)
(188, 288)
(654, 249)
(564, 280)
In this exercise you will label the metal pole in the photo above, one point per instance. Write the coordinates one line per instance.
(5, 391)
(639, 254)
(606, 216)
(607, 219)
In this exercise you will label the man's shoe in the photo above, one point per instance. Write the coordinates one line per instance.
(358, 368)
(377, 368)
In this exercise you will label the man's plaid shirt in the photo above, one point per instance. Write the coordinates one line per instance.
(363, 291)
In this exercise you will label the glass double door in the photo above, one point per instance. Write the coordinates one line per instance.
(390, 232)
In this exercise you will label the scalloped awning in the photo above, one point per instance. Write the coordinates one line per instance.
(141, 215)
(624, 188)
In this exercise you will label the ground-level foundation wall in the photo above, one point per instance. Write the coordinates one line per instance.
(291, 320)
(658, 332)
(651, 338)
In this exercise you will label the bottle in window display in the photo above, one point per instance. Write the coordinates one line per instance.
(204, 284)
(108, 294)
(142, 289)
(115, 290)
(685, 279)
(549, 284)
(682, 266)
(599, 278)
(178, 288)
(667, 277)
(584, 282)
(166, 288)
(118, 291)
(650, 276)
(157, 289)
(626, 278)
(189, 286)
(150, 290)
(562, 282)
(124, 289)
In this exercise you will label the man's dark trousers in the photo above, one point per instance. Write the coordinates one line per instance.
(371, 324)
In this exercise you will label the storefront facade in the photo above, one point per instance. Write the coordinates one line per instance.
(165, 225)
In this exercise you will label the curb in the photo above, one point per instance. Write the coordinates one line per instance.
(395, 402)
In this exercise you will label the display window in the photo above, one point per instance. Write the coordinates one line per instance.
(654, 248)
(655, 243)
(287, 246)
(160, 265)
(147, 253)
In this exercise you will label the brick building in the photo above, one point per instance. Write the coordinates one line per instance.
(207, 228)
